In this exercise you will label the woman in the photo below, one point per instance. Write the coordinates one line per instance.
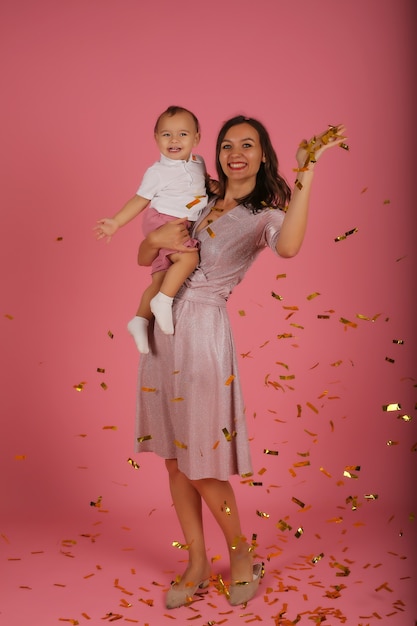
(190, 406)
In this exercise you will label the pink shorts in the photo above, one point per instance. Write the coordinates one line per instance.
(153, 219)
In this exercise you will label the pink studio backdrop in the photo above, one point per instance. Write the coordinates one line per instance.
(82, 85)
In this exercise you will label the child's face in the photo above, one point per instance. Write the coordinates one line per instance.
(176, 136)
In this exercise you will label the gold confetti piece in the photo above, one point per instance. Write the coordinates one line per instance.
(216, 557)
(194, 202)
(289, 377)
(345, 570)
(262, 514)
(285, 336)
(400, 342)
(242, 313)
(101, 370)
(80, 386)
(353, 500)
(346, 322)
(371, 496)
(59, 238)
(210, 232)
(299, 532)
(317, 558)
(255, 484)
(271, 452)
(226, 508)
(389, 360)
(355, 468)
(179, 444)
(313, 295)
(180, 546)
(221, 587)
(133, 464)
(312, 407)
(301, 464)
(309, 433)
(323, 317)
(348, 474)
(20, 457)
(179, 399)
(347, 234)
(282, 364)
(278, 276)
(296, 501)
(335, 520)
(110, 334)
(144, 438)
(98, 503)
(392, 443)
(109, 427)
(297, 326)
(8, 316)
(405, 418)
(325, 472)
(391, 407)
(148, 389)
(276, 296)
(227, 434)
(230, 380)
(283, 525)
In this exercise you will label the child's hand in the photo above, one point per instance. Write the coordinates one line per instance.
(106, 227)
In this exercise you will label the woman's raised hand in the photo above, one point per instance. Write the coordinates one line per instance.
(310, 151)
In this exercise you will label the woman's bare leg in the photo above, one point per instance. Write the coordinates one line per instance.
(220, 499)
(187, 503)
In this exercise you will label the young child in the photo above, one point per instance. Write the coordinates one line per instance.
(174, 187)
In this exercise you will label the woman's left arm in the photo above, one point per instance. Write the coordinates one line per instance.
(295, 222)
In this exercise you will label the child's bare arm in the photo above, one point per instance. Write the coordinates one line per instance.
(108, 226)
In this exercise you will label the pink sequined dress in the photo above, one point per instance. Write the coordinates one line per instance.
(190, 400)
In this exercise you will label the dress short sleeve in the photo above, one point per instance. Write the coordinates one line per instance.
(272, 222)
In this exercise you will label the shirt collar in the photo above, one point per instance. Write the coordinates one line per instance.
(172, 162)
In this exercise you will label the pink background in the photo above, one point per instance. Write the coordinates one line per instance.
(83, 82)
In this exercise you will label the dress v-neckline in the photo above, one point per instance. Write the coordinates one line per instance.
(201, 229)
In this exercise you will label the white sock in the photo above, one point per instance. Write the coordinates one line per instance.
(138, 328)
(161, 307)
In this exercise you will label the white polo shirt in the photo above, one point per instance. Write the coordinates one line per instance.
(176, 187)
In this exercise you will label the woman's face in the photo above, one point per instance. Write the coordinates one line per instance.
(241, 153)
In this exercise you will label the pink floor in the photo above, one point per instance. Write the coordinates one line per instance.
(105, 565)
